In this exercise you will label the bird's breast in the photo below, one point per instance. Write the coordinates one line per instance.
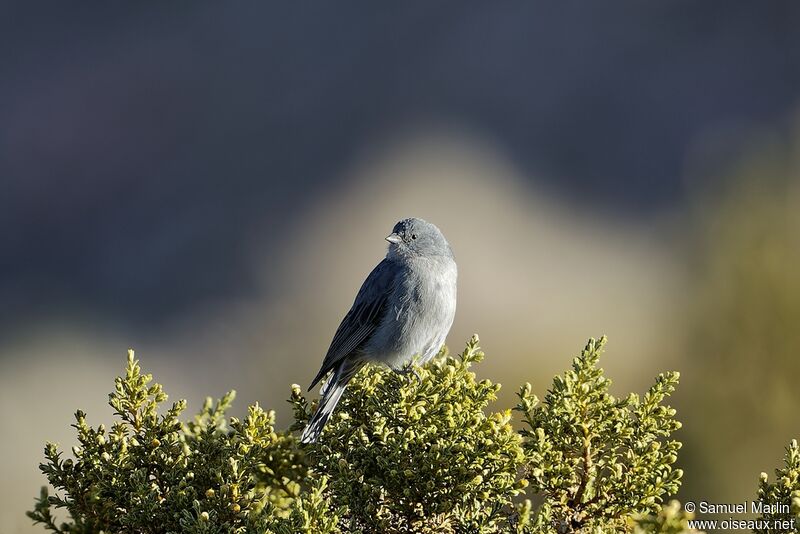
(431, 288)
(421, 311)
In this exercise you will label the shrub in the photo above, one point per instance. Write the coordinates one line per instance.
(399, 455)
(780, 500)
(153, 473)
(596, 459)
(420, 457)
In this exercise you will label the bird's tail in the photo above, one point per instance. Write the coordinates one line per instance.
(331, 393)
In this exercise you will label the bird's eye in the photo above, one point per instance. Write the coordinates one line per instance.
(413, 236)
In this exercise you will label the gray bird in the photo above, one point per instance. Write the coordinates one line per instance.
(404, 309)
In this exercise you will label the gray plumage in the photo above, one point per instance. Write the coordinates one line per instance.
(404, 309)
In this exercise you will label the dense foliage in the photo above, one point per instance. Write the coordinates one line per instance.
(420, 457)
(780, 500)
(154, 473)
(597, 459)
(399, 455)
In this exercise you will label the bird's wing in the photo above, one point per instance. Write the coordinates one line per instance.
(363, 318)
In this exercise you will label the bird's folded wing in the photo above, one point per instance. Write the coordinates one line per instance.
(363, 318)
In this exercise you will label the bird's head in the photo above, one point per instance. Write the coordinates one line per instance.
(416, 237)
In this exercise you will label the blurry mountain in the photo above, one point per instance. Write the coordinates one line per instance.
(147, 151)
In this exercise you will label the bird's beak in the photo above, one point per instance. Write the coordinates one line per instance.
(393, 238)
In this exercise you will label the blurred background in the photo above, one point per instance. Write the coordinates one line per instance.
(210, 184)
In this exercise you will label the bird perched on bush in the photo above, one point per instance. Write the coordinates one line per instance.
(405, 308)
